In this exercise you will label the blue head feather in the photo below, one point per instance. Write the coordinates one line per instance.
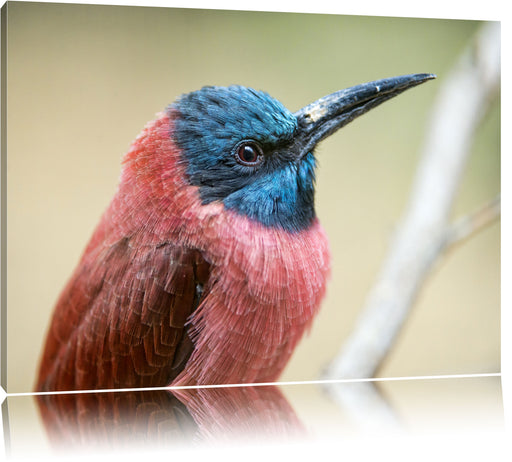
(208, 126)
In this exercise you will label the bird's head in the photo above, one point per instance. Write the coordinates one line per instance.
(245, 149)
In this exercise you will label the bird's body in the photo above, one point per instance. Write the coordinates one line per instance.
(155, 248)
(209, 263)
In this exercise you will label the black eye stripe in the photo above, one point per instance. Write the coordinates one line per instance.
(249, 153)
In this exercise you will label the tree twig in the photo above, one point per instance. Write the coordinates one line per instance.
(471, 224)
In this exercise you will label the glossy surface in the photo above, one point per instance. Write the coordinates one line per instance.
(338, 415)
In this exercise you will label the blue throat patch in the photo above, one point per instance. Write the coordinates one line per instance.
(210, 123)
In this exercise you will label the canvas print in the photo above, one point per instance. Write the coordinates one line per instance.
(198, 197)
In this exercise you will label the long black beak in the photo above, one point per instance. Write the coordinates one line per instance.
(320, 119)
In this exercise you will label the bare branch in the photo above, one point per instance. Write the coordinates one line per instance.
(462, 101)
(469, 225)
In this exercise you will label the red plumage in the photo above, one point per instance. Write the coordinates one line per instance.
(128, 420)
(128, 316)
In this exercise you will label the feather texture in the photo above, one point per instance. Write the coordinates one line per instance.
(135, 420)
(173, 291)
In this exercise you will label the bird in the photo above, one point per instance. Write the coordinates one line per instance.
(210, 263)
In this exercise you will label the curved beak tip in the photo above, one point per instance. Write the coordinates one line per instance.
(329, 113)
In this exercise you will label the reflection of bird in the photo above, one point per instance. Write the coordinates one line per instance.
(128, 419)
(114, 419)
(229, 413)
(209, 263)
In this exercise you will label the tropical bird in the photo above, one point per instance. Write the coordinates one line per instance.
(210, 263)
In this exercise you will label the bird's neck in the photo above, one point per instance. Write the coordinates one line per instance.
(286, 200)
(153, 198)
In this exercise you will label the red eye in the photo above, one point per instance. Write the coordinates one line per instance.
(249, 153)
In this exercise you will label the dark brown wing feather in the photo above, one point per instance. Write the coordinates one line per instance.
(120, 322)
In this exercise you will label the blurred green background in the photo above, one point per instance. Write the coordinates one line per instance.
(83, 80)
